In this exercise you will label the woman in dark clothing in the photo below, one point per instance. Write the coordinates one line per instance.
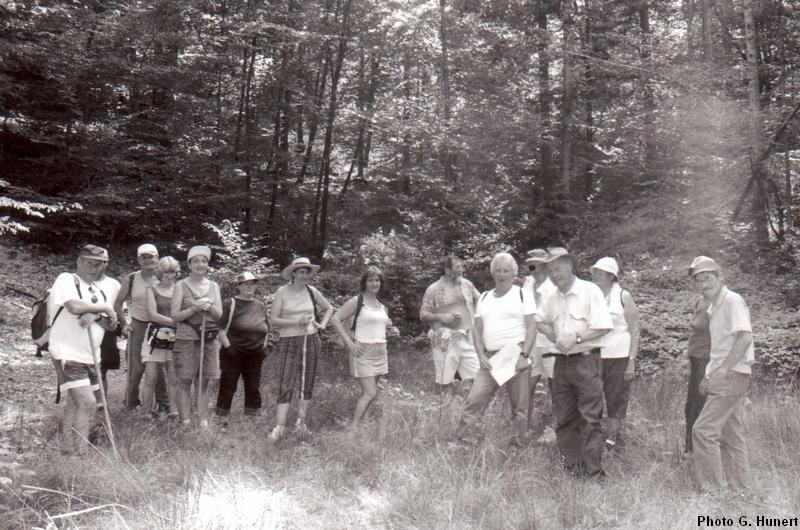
(245, 329)
(698, 351)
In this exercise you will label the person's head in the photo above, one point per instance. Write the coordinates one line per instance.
(452, 267)
(168, 269)
(299, 271)
(561, 267)
(198, 258)
(247, 283)
(535, 261)
(147, 256)
(372, 281)
(504, 269)
(707, 277)
(605, 272)
(92, 261)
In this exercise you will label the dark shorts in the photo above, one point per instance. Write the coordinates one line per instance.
(75, 375)
(186, 354)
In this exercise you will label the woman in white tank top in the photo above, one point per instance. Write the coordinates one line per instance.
(365, 337)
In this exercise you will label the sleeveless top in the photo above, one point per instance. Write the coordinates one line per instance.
(137, 298)
(371, 325)
(618, 340)
(699, 334)
(295, 305)
(189, 329)
(163, 303)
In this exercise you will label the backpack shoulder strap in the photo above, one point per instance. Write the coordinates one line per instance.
(313, 302)
(131, 276)
(521, 297)
(230, 315)
(484, 296)
(359, 305)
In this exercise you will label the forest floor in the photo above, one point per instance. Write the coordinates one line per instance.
(400, 470)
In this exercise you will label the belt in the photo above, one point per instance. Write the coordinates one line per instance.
(593, 351)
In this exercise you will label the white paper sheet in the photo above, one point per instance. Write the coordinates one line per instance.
(504, 363)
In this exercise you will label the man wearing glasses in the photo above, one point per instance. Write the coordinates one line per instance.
(78, 309)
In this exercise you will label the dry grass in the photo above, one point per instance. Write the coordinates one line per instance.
(399, 471)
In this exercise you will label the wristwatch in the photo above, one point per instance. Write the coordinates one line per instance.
(524, 354)
(578, 339)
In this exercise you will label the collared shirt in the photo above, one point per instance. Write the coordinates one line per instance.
(437, 295)
(728, 315)
(545, 289)
(581, 308)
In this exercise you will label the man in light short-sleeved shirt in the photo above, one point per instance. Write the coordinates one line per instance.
(504, 317)
(81, 311)
(718, 435)
(575, 318)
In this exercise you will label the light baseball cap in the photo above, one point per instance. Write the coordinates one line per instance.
(93, 252)
(147, 248)
(608, 265)
(703, 264)
(199, 250)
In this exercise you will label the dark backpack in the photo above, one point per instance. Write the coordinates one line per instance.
(40, 327)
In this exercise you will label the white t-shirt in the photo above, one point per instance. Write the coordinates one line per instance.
(503, 318)
(68, 340)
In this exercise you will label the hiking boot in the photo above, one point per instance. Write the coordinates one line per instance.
(277, 433)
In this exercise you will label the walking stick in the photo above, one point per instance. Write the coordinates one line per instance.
(199, 388)
(103, 400)
(127, 364)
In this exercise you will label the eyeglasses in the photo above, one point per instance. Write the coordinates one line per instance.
(94, 294)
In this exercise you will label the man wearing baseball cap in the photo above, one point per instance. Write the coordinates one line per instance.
(540, 287)
(575, 318)
(134, 291)
(718, 436)
(79, 307)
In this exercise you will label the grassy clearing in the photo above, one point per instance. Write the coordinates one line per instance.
(398, 471)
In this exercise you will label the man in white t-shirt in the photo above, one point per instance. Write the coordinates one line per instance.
(81, 313)
(718, 435)
(575, 318)
(504, 316)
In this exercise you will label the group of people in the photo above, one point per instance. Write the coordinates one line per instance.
(582, 337)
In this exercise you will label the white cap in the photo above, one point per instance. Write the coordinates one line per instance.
(608, 265)
(147, 248)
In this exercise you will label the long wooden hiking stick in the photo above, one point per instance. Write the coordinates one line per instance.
(128, 365)
(303, 372)
(98, 373)
(199, 388)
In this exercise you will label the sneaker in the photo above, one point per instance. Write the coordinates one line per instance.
(204, 424)
(277, 433)
(300, 426)
(173, 416)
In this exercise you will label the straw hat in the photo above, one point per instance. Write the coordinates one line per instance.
(298, 263)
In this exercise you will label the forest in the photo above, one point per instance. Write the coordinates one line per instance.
(319, 127)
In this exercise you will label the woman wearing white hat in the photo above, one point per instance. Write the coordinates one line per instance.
(294, 311)
(195, 299)
(622, 345)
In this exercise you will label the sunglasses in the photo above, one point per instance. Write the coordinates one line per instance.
(94, 294)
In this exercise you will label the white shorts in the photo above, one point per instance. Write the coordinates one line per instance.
(454, 354)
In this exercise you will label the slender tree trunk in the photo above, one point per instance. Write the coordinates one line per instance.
(545, 102)
(332, 105)
(758, 207)
(568, 100)
(708, 51)
(405, 169)
(648, 98)
(319, 95)
(449, 174)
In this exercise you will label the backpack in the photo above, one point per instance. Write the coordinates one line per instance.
(40, 327)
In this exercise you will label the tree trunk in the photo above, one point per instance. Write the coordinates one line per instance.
(708, 51)
(647, 175)
(326, 153)
(545, 103)
(449, 174)
(758, 207)
(568, 100)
